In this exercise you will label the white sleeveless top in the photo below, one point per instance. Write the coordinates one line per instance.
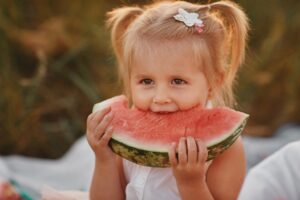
(149, 183)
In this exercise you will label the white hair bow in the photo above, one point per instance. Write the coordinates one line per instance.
(189, 19)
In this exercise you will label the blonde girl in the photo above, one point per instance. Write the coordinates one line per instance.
(172, 56)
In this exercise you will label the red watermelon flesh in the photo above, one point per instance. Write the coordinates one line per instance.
(151, 131)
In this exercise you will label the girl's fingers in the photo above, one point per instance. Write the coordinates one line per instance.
(106, 136)
(172, 155)
(95, 118)
(102, 126)
(182, 155)
(192, 151)
(203, 153)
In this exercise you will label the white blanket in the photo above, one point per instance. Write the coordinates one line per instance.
(71, 172)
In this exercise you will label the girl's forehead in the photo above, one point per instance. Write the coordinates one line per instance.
(165, 53)
(151, 45)
(166, 61)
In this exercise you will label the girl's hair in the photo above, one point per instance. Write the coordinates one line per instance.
(219, 48)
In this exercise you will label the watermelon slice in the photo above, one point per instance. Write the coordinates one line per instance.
(144, 137)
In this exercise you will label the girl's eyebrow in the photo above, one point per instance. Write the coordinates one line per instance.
(138, 76)
(180, 76)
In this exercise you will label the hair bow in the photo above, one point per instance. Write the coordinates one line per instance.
(189, 19)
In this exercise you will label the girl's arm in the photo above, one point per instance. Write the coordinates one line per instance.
(108, 181)
(224, 178)
(227, 172)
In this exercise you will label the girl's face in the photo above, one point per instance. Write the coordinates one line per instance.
(167, 80)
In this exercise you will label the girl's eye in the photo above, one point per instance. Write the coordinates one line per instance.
(178, 81)
(146, 81)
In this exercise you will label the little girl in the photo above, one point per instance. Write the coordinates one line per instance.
(173, 56)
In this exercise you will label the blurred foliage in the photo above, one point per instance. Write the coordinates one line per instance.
(56, 62)
(269, 85)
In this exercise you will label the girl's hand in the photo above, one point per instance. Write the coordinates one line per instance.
(190, 168)
(99, 133)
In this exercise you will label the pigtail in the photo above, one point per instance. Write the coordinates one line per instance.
(236, 25)
(118, 20)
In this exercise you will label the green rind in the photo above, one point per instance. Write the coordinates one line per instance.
(161, 159)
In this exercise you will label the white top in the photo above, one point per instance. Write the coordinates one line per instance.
(275, 178)
(149, 183)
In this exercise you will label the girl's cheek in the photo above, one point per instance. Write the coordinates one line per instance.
(140, 101)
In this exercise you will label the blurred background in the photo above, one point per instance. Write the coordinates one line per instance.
(56, 62)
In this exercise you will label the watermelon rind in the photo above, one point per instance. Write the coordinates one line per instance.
(153, 158)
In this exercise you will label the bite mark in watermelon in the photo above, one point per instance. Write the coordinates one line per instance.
(145, 137)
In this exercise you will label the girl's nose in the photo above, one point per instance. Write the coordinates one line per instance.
(161, 100)
(161, 97)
